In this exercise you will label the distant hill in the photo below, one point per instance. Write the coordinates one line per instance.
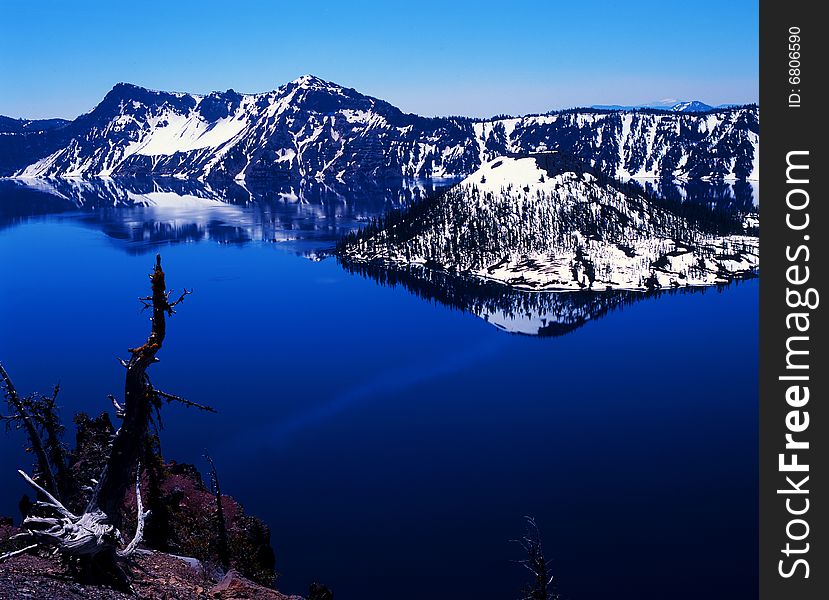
(10, 125)
(687, 106)
(545, 222)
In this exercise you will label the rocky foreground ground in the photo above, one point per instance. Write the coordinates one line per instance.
(185, 528)
(159, 576)
(155, 576)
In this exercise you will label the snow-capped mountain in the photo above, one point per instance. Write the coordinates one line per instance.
(313, 129)
(546, 222)
(674, 105)
(669, 104)
(691, 106)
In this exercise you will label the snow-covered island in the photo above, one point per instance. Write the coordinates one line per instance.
(547, 222)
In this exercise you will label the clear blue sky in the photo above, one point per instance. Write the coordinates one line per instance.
(427, 57)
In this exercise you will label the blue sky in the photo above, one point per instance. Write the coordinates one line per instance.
(58, 59)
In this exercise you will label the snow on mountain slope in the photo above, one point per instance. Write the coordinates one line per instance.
(545, 223)
(691, 106)
(313, 129)
(669, 104)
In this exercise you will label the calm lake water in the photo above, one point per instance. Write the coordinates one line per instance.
(394, 443)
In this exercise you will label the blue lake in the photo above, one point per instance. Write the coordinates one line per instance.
(392, 443)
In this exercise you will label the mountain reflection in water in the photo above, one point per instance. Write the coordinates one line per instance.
(144, 213)
(140, 215)
(542, 314)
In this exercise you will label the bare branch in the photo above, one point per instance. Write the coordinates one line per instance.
(31, 430)
(181, 298)
(119, 410)
(173, 398)
(92, 504)
(141, 517)
(11, 391)
(8, 555)
(53, 502)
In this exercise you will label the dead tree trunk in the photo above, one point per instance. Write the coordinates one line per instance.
(47, 417)
(140, 399)
(223, 549)
(23, 417)
(94, 533)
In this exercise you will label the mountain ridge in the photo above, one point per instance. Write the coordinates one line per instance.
(311, 128)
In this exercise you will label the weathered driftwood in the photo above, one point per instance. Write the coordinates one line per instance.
(95, 532)
(88, 534)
